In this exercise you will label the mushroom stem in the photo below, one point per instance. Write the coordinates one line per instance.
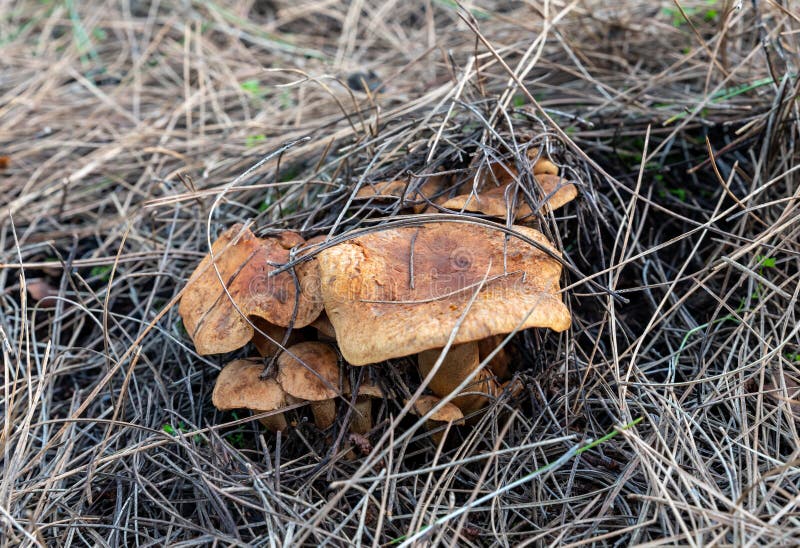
(324, 327)
(459, 363)
(361, 422)
(500, 364)
(324, 413)
(438, 436)
(275, 423)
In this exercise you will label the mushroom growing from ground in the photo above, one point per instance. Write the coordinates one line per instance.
(239, 386)
(402, 291)
(399, 291)
(310, 371)
(216, 317)
(361, 419)
(449, 413)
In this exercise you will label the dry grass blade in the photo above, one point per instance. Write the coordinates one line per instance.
(132, 131)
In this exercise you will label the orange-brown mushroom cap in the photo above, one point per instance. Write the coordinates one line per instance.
(496, 201)
(448, 412)
(310, 371)
(369, 390)
(540, 163)
(239, 386)
(431, 188)
(386, 301)
(244, 262)
(382, 190)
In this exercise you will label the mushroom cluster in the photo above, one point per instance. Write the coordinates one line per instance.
(398, 291)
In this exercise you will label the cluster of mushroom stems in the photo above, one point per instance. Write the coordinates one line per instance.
(390, 292)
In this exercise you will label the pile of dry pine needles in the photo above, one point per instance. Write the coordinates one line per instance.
(133, 132)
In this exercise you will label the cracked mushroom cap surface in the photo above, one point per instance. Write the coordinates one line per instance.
(399, 291)
(448, 412)
(239, 386)
(244, 262)
(310, 371)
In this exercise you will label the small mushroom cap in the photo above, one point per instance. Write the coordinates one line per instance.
(448, 412)
(244, 262)
(431, 188)
(496, 201)
(557, 191)
(310, 371)
(239, 386)
(540, 163)
(379, 312)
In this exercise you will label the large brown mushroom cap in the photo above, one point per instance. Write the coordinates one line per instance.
(244, 262)
(380, 312)
(310, 371)
(239, 386)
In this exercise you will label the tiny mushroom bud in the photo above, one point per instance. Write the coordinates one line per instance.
(216, 316)
(448, 413)
(239, 386)
(310, 371)
(541, 164)
(412, 194)
(382, 190)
